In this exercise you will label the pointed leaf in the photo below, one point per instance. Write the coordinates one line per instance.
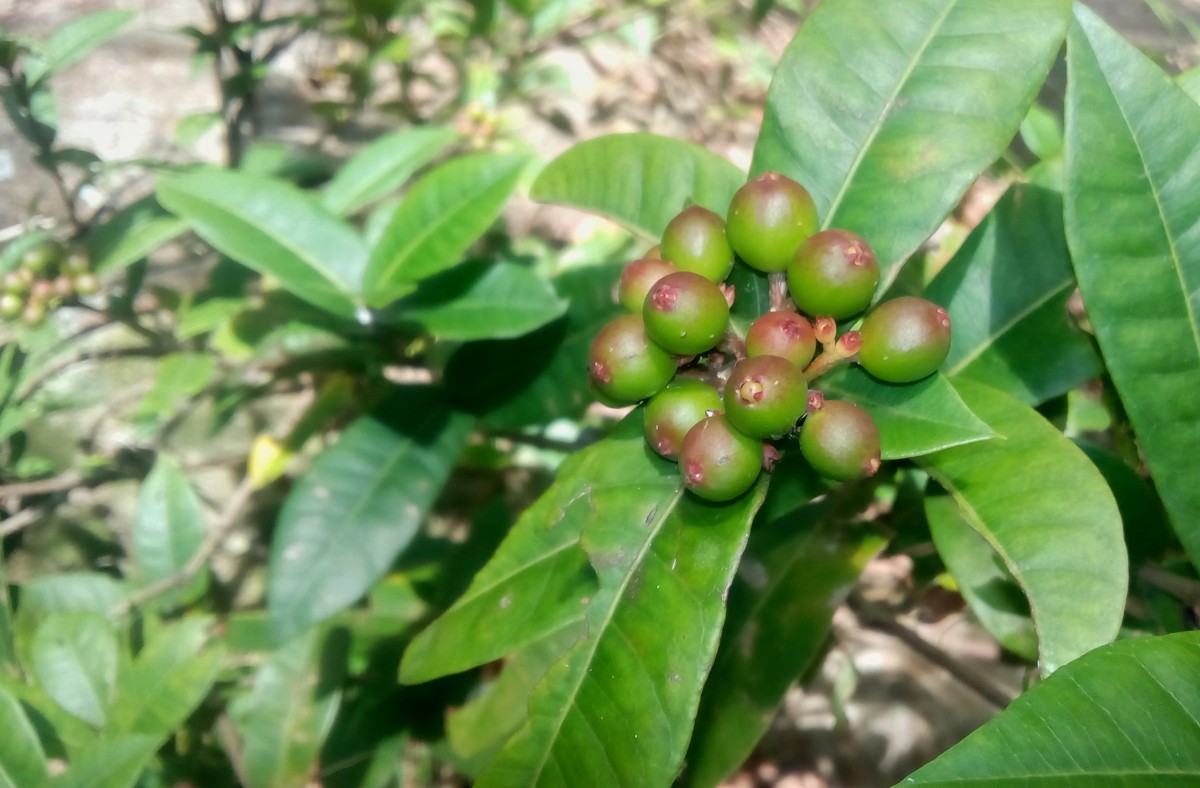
(74, 658)
(914, 418)
(130, 234)
(1125, 714)
(74, 40)
(1133, 222)
(798, 567)
(22, 760)
(383, 167)
(439, 219)
(1006, 290)
(1046, 510)
(887, 112)
(639, 180)
(359, 506)
(274, 228)
(617, 709)
(115, 762)
(168, 526)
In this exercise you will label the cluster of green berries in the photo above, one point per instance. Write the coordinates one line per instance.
(723, 405)
(46, 275)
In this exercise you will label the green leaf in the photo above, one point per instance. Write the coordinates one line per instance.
(983, 580)
(10, 666)
(168, 680)
(74, 658)
(168, 526)
(274, 228)
(130, 234)
(1125, 714)
(180, 376)
(1189, 82)
(914, 418)
(1046, 510)
(1042, 133)
(1147, 532)
(115, 762)
(22, 760)
(73, 41)
(1132, 225)
(1006, 290)
(70, 592)
(617, 709)
(359, 506)
(798, 567)
(383, 167)
(439, 219)
(285, 716)
(190, 128)
(887, 112)
(639, 180)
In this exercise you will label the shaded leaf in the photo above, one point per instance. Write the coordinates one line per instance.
(1125, 714)
(1133, 215)
(10, 666)
(74, 40)
(1046, 510)
(348, 518)
(383, 166)
(168, 526)
(1006, 290)
(130, 234)
(639, 180)
(22, 761)
(888, 143)
(913, 418)
(179, 377)
(1147, 533)
(115, 762)
(74, 658)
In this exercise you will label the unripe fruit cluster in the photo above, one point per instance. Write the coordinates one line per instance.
(46, 275)
(724, 405)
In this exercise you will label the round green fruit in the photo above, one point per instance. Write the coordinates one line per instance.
(638, 277)
(87, 284)
(904, 339)
(34, 313)
(685, 313)
(840, 441)
(768, 218)
(17, 282)
(10, 305)
(624, 365)
(676, 409)
(784, 334)
(719, 463)
(695, 241)
(43, 257)
(76, 262)
(765, 396)
(833, 273)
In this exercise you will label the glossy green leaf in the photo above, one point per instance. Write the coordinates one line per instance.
(1006, 290)
(1189, 81)
(22, 761)
(70, 592)
(752, 297)
(180, 376)
(639, 180)
(359, 506)
(1133, 223)
(73, 41)
(539, 377)
(887, 112)
(168, 679)
(285, 716)
(1126, 714)
(74, 658)
(483, 300)
(617, 709)
(982, 579)
(115, 762)
(1147, 531)
(168, 526)
(1046, 510)
(799, 565)
(274, 228)
(383, 167)
(439, 219)
(130, 234)
(190, 128)
(914, 418)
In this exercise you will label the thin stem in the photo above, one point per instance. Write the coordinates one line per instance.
(1184, 589)
(20, 520)
(60, 483)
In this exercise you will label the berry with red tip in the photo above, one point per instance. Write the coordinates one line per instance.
(676, 409)
(904, 339)
(784, 334)
(768, 218)
(841, 441)
(685, 313)
(765, 395)
(695, 241)
(833, 273)
(624, 365)
(719, 463)
(638, 277)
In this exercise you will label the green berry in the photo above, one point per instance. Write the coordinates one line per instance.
(76, 262)
(653, 253)
(765, 396)
(43, 257)
(638, 277)
(87, 284)
(685, 313)
(719, 463)
(624, 365)
(695, 241)
(768, 218)
(840, 441)
(10, 305)
(34, 313)
(16, 282)
(676, 409)
(784, 334)
(833, 273)
(904, 339)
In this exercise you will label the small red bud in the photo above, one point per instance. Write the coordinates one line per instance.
(816, 400)
(849, 343)
(770, 457)
(825, 329)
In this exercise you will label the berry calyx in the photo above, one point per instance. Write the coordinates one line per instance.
(685, 313)
(695, 241)
(768, 218)
(765, 396)
(833, 273)
(841, 441)
(719, 463)
(624, 365)
(638, 277)
(904, 340)
(784, 334)
(672, 412)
